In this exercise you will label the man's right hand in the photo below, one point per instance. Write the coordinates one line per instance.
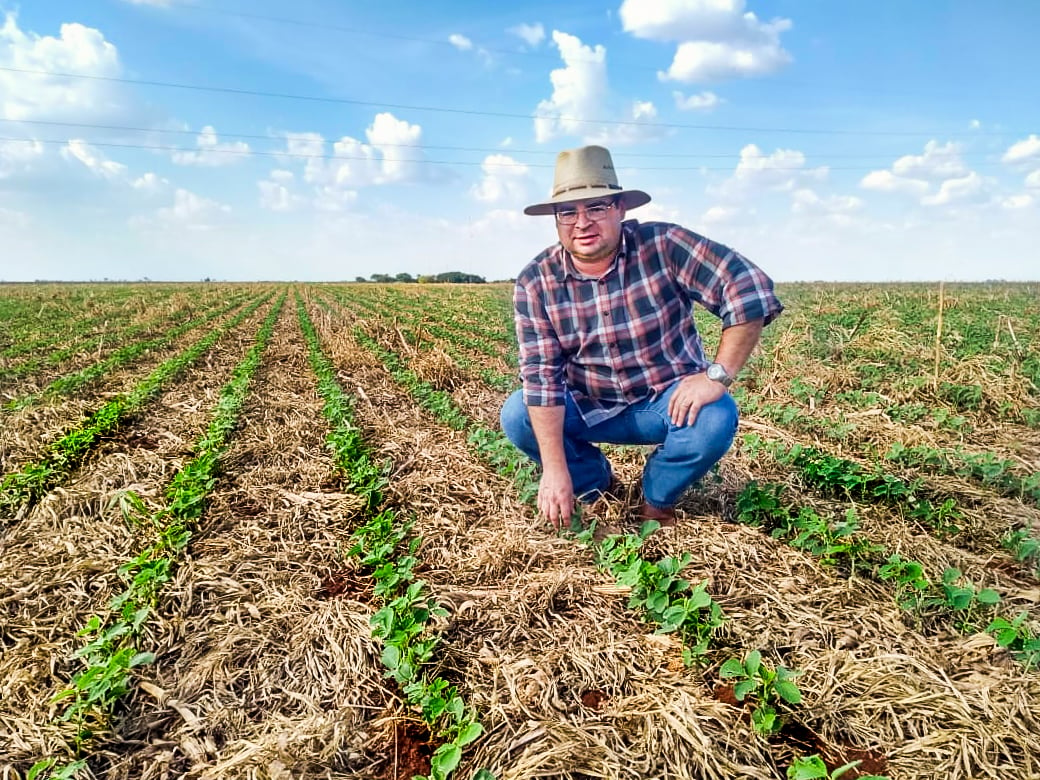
(556, 496)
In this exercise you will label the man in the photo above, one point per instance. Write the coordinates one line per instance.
(609, 352)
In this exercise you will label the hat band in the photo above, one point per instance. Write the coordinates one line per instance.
(561, 190)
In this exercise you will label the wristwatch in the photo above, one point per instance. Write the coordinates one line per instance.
(717, 373)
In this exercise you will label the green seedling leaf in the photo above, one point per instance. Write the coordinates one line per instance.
(445, 759)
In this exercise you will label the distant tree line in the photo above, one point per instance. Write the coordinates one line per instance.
(449, 277)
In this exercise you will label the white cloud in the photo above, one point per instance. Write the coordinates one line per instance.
(579, 89)
(806, 201)
(505, 180)
(79, 49)
(460, 42)
(1033, 179)
(962, 188)
(1024, 151)
(580, 92)
(937, 162)
(531, 34)
(211, 152)
(276, 193)
(96, 162)
(150, 183)
(187, 212)
(783, 170)
(17, 156)
(886, 181)
(392, 155)
(1017, 201)
(717, 39)
(702, 101)
(719, 215)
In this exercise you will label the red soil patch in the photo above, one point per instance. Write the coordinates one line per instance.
(808, 742)
(346, 583)
(410, 752)
(594, 700)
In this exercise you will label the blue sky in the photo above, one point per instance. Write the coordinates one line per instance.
(321, 140)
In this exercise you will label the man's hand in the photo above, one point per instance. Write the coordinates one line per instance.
(692, 393)
(556, 496)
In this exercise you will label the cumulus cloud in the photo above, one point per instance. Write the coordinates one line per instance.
(962, 188)
(938, 177)
(276, 191)
(783, 170)
(150, 183)
(1013, 202)
(93, 160)
(886, 181)
(212, 153)
(460, 42)
(702, 101)
(720, 215)
(937, 162)
(579, 89)
(391, 155)
(580, 93)
(1033, 180)
(187, 212)
(18, 156)
(1025, 151)
(806, 201)
(531, 34)
(505, 180)
(78, 49)
(717, 39)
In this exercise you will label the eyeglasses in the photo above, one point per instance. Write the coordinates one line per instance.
(594, 211)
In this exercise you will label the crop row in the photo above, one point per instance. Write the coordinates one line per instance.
(110, 651)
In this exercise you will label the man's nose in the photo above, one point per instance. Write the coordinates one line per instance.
(583, 217)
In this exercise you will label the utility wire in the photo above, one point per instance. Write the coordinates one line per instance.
(422, 146)
(500, 114)
(306, 155)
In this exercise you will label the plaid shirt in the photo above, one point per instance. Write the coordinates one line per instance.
(622, 338)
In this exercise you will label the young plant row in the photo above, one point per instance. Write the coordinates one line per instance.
(111, 339)
(842, 478)
(21, 489)
(60, 318)
(110, 651)
(382, 546)
(658, 592)
(953, 599)
(67, 385)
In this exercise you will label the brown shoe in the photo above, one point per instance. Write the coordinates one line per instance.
(666, 517)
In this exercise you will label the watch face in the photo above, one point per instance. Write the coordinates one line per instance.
(718, 374)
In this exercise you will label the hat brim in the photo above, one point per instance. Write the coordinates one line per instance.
(631, 199)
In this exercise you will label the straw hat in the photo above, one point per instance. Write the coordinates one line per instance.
(586, 173)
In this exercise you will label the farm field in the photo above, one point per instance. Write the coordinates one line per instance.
(274, 531)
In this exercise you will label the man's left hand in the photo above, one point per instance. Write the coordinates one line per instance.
(692, 393)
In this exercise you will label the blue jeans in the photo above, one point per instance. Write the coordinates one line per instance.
(683, 455)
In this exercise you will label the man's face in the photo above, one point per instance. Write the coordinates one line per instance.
(590, 229)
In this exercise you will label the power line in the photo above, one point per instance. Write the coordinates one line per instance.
(626, 64)
(419, 161)
(499, 114)
(423, 146)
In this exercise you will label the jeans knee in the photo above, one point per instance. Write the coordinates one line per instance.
(514, 418)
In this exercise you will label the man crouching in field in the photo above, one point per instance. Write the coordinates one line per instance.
(608, 347)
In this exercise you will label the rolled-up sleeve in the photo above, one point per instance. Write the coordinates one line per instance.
(541, 357)
(723, 281)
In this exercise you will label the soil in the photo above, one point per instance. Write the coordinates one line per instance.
(346, 583)
(594, 700)
(410, 752)
(807, 742)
